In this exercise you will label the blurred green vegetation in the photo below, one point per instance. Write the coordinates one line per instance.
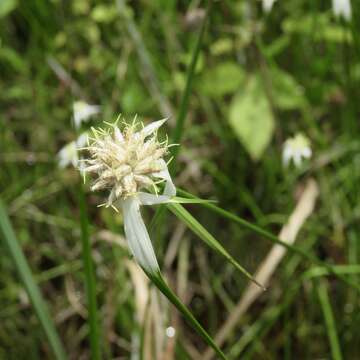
(260, 79)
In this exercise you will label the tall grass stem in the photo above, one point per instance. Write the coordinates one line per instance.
(32, 288)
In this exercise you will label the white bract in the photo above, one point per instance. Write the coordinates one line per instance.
(267, 5)
(69, 153)
(126, 163)
(83, 112)
(342, 8)
(296, 149)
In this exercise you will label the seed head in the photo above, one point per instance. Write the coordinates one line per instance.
(126, 161)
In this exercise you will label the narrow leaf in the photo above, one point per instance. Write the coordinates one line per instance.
(31, 287)
(274, 239)
(329, 320)
(203, 234)
(182, 200)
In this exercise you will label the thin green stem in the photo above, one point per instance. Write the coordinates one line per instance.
(178, 131)
(329, 320)
(32, 289)
(180, 120)
(90, 282)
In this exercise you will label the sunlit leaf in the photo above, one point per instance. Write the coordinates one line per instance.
(287, 93)
(251, 118)
(7, 6)
(224, 79)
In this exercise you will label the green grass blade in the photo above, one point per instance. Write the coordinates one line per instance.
(180, 120)
(203, 234)
(274, 239)
(181, 200)
(30, 285)
(90, 282)
(177, 133)
(160, 283)
(318, 271)
(329, 320)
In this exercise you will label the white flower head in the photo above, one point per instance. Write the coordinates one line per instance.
(69, 153)
(296, 149)
(126, 163)
(267, 5)
(342, 8)
(83, 112)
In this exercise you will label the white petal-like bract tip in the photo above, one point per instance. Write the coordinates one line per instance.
(137, 235)
(152, 127)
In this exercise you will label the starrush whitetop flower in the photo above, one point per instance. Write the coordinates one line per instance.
(69, 153)
(295, 149)
(83, 111)
(126, 163)
(342, 8)
(267, 5)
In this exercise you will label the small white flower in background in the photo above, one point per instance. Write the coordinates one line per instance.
(342, 8)
(83, 112)
(296, 149)
(69, 153)
(170, 332)
(267, 5)
(126, 162)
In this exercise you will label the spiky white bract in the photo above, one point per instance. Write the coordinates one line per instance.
(83, 112)
(267, 5)
(296, 149)
(69, 153)
(342, 8)
(126, 163)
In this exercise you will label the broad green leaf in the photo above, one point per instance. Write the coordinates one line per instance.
(9, 238)
(7, 6)
(104, 13)
(251, 118)
(204, 235)
(287, 93)
(224, 79)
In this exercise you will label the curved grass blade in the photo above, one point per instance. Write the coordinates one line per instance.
(274, 239)
(31, 287)
(203, 234)
(160, 283)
